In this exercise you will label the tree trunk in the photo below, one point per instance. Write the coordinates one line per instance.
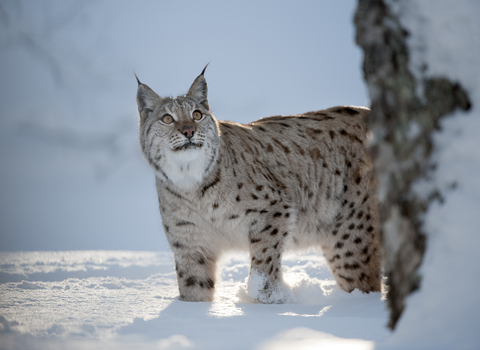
(402, 123)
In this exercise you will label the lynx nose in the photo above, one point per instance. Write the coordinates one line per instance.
(188, 131)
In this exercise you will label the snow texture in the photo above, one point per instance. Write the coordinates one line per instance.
(444, 41)
(125, 300)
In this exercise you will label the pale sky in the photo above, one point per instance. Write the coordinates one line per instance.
(71, 174)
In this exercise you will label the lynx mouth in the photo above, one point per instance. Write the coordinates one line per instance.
(188, 145)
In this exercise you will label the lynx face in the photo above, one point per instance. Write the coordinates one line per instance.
(179, 136)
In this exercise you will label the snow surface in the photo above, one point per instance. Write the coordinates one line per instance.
(445, 313)
(125, 300)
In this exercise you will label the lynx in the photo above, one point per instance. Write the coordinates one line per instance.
(276, 184)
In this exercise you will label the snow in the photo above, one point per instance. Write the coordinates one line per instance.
(125, 299)
(445, 313)
(29, 285)
(304, 338)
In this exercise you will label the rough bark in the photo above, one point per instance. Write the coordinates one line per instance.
(402, 124)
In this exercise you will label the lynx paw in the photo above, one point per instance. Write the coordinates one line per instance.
(265, 291)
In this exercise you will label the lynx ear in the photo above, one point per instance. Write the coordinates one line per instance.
(147, 99)
(199, 90)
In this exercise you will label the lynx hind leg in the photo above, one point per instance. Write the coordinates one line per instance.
(195, 275)
(267, 241)
(352, 248)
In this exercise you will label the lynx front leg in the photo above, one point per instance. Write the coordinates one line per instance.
(195, 274)
(265, 282)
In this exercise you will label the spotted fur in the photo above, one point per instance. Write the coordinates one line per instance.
(280, 183)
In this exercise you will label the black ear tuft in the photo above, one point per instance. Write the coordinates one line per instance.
(203, 71)
(138, 81)
(199, 90)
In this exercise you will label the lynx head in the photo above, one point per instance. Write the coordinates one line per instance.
(179, 136)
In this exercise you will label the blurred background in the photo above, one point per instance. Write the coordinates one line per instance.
(71, 173)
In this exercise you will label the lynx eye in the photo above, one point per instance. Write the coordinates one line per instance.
(167, 119)
(197, 115)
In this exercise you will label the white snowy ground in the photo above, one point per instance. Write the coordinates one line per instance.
(129, 300)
